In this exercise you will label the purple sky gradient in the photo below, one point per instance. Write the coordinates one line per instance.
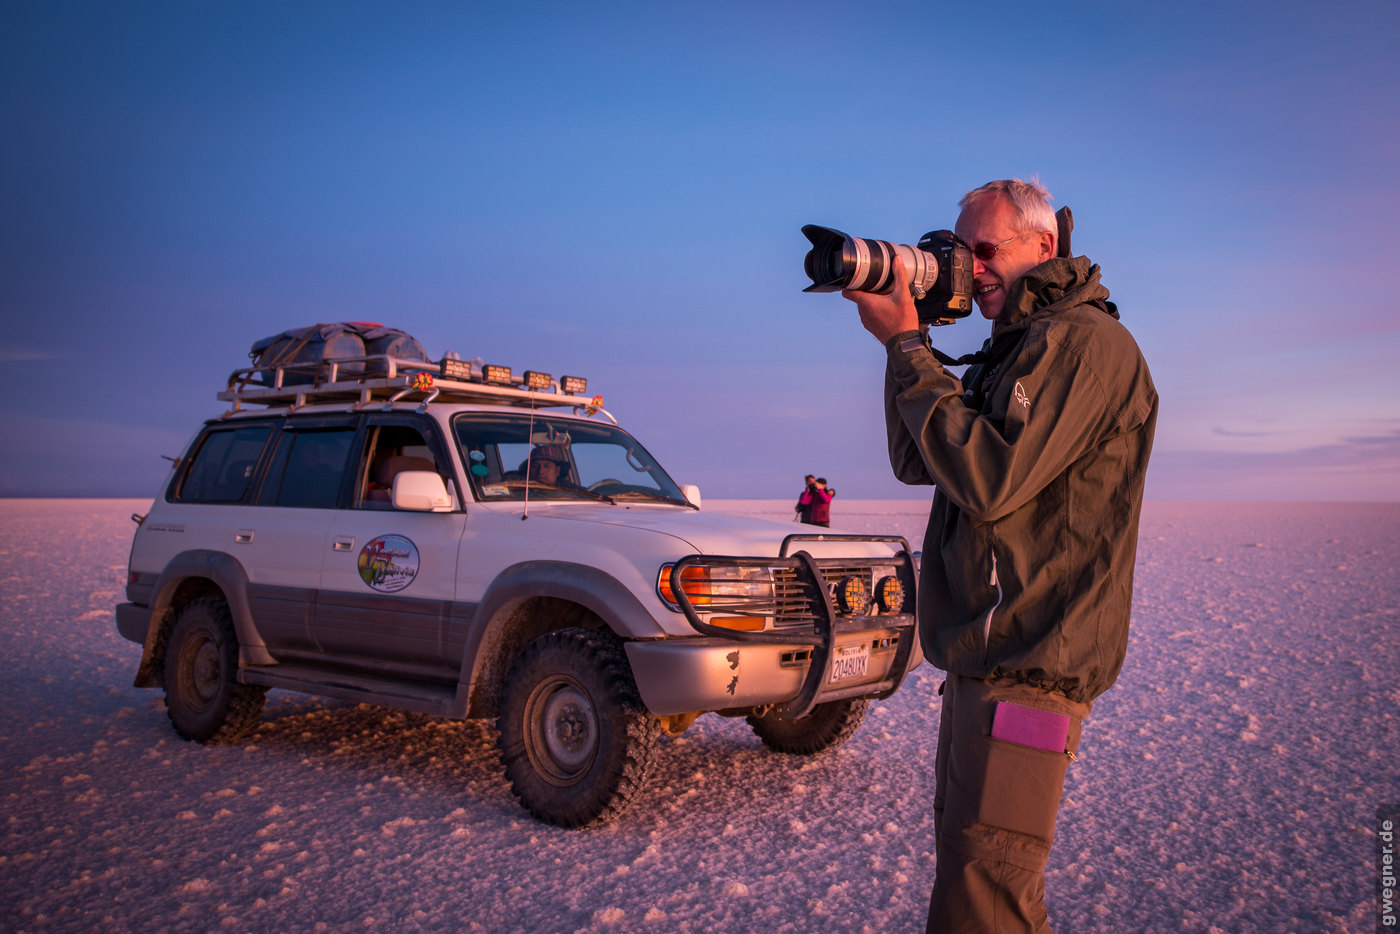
(619, 192)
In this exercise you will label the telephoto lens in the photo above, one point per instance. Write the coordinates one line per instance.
(940, 269)
(838, 261)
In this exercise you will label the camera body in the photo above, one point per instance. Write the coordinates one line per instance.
(940, 269)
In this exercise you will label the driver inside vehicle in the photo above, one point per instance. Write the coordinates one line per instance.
(549, 463)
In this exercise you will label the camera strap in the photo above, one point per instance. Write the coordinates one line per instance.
(991, 350)
(984, 364)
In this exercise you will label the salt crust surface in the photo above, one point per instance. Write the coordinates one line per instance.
(1229, 782)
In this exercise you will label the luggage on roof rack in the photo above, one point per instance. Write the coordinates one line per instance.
(368, 364)
(299, 354)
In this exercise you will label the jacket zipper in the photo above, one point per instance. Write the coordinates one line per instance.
(987, 624)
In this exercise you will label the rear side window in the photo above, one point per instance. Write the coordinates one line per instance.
(221, 470)
(309, 468)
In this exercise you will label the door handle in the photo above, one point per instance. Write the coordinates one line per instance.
(343, 543)
(243, 537)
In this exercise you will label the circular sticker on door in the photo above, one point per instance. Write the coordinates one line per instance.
(388, 563)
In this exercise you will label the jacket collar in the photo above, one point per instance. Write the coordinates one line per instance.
(1055, 285)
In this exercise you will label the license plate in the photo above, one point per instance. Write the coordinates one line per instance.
(849, 662)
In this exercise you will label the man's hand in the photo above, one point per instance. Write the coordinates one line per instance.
(887, 315)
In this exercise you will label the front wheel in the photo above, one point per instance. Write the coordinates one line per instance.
(203, 699)
(576, 741)
(826, 727)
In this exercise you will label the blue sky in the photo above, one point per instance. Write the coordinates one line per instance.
(617, 190)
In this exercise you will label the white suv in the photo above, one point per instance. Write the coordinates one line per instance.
(454, 540)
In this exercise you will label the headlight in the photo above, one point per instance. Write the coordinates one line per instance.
(720, 588)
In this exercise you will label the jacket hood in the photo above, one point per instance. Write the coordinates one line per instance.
(1053, 286)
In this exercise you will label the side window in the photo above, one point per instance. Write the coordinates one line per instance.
(391, 450)
(309, 468)
(221, 470)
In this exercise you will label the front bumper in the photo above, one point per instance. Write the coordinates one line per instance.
(793, 663)
(678, 676)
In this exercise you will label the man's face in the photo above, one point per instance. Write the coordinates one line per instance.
(547, 471)
(992, 220)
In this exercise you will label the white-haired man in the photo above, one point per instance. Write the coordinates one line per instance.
(1038, 455)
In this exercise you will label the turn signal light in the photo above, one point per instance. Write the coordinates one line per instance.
(741, 623)
(695, 582)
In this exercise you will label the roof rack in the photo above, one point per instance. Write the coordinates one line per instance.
(383, 380)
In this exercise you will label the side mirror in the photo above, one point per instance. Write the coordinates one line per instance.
(421, 491)
(692, 493)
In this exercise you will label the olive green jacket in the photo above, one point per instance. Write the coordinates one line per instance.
(1038, 456)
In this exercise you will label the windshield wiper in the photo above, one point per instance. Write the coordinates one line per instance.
(541, 485)
(662, 497)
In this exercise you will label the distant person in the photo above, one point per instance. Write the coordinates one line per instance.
(821, 504)
(804, 502)
(1038, 456)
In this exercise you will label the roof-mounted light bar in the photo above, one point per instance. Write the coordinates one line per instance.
(533, 380)
(456, 369)
(497, 375)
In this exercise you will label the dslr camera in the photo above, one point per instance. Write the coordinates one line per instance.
(940, 268)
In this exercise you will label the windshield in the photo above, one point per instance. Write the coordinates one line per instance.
(555, 458)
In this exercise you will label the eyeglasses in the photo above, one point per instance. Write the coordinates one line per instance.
(986, 252)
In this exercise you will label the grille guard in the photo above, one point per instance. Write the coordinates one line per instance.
(813, 592)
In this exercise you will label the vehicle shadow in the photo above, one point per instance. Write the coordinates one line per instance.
(693, 776)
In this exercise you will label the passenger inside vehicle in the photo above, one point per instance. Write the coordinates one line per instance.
(382, 485)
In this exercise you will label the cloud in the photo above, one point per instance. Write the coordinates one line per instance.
(1235, 433)
(16, 355)
(1362, 467)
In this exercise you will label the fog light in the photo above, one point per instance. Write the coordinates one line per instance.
(573, 385)
(537, 380)
(890, 594)
(853, 596)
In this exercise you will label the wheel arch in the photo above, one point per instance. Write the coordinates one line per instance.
(532, 598)
(189, 576)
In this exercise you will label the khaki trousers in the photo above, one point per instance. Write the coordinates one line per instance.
(994, 806)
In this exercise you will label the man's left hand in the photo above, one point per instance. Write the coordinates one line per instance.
(884, 316)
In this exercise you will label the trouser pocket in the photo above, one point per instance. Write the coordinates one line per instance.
(1021, 788)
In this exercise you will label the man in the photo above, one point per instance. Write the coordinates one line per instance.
(803, 507)
(549, 464)
(1038, 455)
(820, 508)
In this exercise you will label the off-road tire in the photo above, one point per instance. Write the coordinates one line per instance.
(576, 741)
(205, 702)
(826, 727)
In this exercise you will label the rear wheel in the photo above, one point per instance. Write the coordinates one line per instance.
(826, 727)
(576, 741)
(204, 701)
